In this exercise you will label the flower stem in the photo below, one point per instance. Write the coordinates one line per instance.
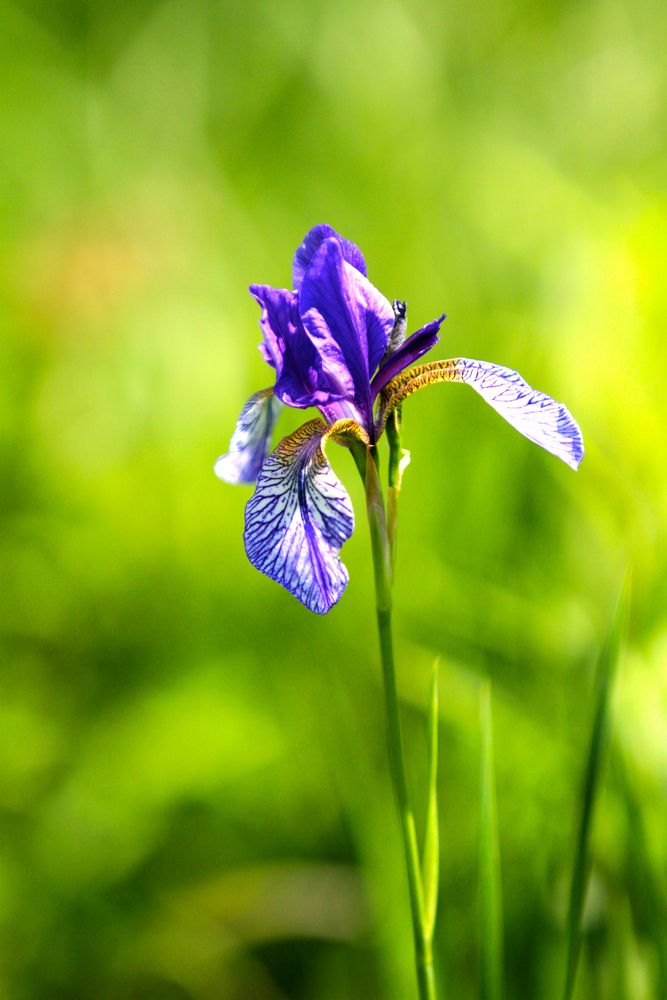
(382, 565)
(393, 431)
(397, 461)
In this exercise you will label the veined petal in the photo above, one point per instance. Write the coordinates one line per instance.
(311, 244)
(534, 414)
(348, 320)
(300, 515)
(300, 381)
(251, 439)
(414, 347)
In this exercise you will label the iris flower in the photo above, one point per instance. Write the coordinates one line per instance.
(337, 344)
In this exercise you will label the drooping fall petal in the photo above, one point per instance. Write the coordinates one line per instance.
(534, 414)
(300, 515)
(251, 439)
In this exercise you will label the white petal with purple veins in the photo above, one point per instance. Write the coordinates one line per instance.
(534, 414)
(299, 517)
(251, 439)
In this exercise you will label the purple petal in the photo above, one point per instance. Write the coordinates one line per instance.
(251, 439)
(534, 414)
(311, 244)
(414, 347)
(298, 518)
(266, 353)
(300, 380)
(348, 321)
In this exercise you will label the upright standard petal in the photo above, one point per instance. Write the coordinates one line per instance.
(349, 322)
(300, 380)
(534, 414)
(414, 347)
(300, 515)
(311, 244)
(251, 439)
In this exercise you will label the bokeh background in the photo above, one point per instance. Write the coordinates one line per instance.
(194, 799)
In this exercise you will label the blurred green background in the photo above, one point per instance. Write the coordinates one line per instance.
(194, 798)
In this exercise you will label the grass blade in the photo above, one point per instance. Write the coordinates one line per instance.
(431, 854)
(591, 781)
(491, 911)
(647, 877)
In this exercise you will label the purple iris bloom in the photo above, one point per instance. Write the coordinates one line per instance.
(337, 344)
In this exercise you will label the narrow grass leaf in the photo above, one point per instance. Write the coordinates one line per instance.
(491, 912)
(647, 876)
(591, 782)
(431, 854)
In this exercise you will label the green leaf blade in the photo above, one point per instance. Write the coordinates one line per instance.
(597, 746)
(648, 877)
(491, 915)
(431, 853)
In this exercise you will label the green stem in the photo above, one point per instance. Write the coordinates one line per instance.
(383, 582)
(393, 431)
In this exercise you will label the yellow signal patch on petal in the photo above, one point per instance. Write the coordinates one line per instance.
(534, 414)
(300, 515)
(412, 380)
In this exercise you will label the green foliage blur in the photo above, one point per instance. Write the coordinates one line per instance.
(194, 795)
